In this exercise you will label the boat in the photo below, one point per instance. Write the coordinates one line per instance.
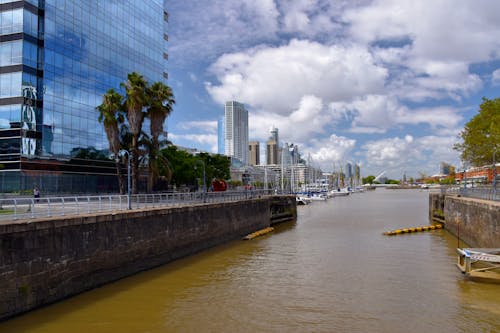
(318, 196)
(479, 263)
(369, 187)
(302, 200)
(339, 192)
(359, 189)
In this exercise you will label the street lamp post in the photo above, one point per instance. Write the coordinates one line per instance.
(124, 152)
(464, 178)
(494, 174)
(204, 182)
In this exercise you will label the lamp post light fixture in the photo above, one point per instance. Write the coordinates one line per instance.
(124, 152)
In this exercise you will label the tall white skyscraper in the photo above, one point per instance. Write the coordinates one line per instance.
(236, 131)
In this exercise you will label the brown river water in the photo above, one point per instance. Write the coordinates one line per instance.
(330, 271)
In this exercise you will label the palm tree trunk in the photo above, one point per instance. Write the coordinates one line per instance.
(135, 161)
(152, 156)
(121, 181)
(150, 181)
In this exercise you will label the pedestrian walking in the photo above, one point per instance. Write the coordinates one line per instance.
(36, 193)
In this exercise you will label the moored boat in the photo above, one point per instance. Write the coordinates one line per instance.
(339, 192)
(318, 196)
(302, 200)
(480, 263)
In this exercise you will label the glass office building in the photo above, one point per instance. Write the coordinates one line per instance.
(57, 59)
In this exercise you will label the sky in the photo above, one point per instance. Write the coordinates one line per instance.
(386, 84)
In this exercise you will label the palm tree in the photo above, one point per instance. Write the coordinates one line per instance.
(158, 164)
(110, 116)
(136, 99)
(161, 101)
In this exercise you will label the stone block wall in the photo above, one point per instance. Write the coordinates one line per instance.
(475, 221)
(47, 260)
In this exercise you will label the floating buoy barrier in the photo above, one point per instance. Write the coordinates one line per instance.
(415, 229)
(258, 233)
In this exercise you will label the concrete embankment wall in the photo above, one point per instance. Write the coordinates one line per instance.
(475, 221)
(47, 260)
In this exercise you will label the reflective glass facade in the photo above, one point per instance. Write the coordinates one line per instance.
(57, 59)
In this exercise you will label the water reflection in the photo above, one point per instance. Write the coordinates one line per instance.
(331, 271)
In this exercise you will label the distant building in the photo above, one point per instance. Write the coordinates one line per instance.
(348, 170)
(272, 152)
(274, 135)
(254, 153)
(236, 131)
(293, 150)
(220, 135)
(446, 168)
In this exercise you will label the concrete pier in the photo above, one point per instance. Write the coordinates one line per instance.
(475, 221)
(46, 260)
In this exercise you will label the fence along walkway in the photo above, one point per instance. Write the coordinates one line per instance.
(31, 208)
(479, 192)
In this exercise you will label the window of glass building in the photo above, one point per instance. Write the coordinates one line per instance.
(11, 53)
(11, 21)
(30, 54)
(30, 23)
(10, 84)
(9, 114)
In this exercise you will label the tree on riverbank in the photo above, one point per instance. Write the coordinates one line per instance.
(481, 135)
(110, 116)
(186, 167)
(123, 118)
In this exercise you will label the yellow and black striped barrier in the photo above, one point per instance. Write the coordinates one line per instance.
(258, 233)
(415, 229)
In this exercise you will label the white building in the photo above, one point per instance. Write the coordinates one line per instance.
(236, 131)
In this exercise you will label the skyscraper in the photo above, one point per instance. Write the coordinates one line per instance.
(236, 131)
(274, 135)
(272, 156)
(254, 152)
(220, 135)
(272, 147)
(56, 64)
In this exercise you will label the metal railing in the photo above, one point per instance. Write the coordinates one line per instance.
(31, 208)
(480, 192)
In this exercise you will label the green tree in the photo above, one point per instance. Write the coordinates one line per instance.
(448, 181)
(135, 101)
(481, 135)
(185, 170)
(161, 101)
(110, 116)
(182, 166)
(216, 166)
(368, 179)
(140, 101)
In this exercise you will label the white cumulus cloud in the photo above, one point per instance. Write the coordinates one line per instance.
(276, 78)
(495, 77)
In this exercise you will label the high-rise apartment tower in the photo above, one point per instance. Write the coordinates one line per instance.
(236, 131)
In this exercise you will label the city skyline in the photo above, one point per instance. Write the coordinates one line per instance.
(385, 84)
